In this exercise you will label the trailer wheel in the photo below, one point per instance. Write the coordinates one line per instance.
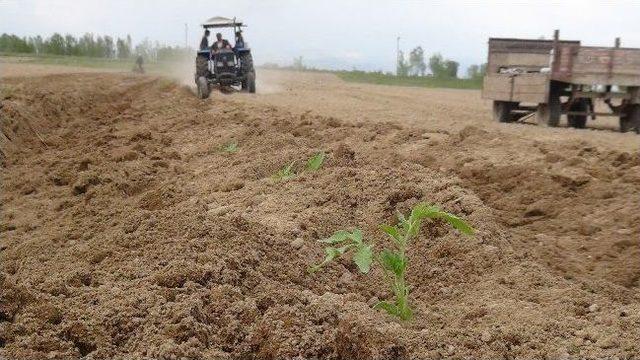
(631, 120)
(549, 114)
(578, 121)
(502, 111)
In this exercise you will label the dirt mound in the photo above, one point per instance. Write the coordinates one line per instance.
(135, 235)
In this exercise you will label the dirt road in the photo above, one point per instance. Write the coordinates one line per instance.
(127, 232)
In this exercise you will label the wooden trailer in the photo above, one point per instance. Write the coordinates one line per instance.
(550, 78)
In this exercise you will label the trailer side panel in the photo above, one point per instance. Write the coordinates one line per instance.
(598, 65)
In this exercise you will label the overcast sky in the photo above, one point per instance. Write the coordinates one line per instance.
(335, 33)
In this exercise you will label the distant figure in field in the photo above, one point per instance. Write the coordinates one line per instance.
(220, 43)
(139, 63)
(204, 43)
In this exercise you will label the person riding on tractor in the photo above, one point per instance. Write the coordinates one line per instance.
(239, 41)
(204, 43)
(220, 43)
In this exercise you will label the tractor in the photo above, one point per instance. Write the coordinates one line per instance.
(225, 68)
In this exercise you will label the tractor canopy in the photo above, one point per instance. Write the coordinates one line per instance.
(222, 22)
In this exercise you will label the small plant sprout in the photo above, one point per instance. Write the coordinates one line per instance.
(285, 173)
(393, 259)
(315, 162)
(230, 148)
(362, 257)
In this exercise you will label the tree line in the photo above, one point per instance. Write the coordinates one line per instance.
(415, 65)
(92, 46)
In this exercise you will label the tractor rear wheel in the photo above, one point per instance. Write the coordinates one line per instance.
(251, 82)
(631, 119)
(578, 121)
(502, 111)
(247, 63)
(202, 66)
(203, 87)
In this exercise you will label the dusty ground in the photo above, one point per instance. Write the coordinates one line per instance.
(127, 233)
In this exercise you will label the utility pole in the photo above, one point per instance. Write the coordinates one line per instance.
(186, 35)
(398, 56)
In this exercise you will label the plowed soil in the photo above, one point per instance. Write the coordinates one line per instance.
(127, 232)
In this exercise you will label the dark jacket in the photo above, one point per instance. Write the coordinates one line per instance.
(204, 43)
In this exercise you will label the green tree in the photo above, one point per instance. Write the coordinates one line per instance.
(437, 65)
(123, 48)
(298, 64)
(70, 45)
(443, 68)
(476, 71)
(99, 50)
(55, 44)
(402, 67)
(451, 69)
(13, 43)
(416, 62)
(38, 44)
(85, 44)
(145, 49)
(109, 49)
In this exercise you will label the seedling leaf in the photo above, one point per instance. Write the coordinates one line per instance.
(405, 313)
(330, 254)
(390, 308)
(315, 162)
(391, 231)
(393, 262)
(230, 148)
(337, 237)
(433, 212)
(458, 223)
(356, 236)
(285, 173)
(363, 258)
(421, 211)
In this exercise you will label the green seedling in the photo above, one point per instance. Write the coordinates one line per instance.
(230, 148)
(393, 260)
(362, 257)
(285, 173)
(315, 162)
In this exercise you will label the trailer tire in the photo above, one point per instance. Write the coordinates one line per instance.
(502, 111)
(203, 87)
(549, 113)
(631, 120)
(578, 121)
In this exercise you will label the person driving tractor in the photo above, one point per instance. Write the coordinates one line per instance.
(220, 43)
